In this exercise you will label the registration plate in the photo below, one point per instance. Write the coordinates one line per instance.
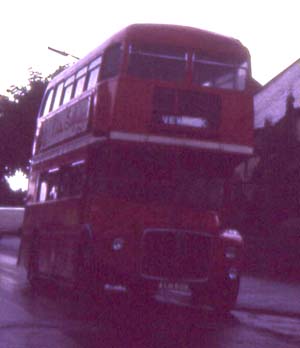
(174, 286)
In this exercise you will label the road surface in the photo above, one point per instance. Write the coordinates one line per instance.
(267, 315)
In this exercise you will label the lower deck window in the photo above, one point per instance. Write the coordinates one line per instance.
(66, 181)
(157, 177)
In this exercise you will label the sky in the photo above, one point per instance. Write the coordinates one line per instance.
(269, 29)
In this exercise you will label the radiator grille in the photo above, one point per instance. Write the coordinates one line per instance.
(176, 254)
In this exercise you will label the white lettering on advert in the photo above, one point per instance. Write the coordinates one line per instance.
(65, 124)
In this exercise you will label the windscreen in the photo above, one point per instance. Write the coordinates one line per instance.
(219, 72)
(157, 62)
(154, 176)
(167, 63)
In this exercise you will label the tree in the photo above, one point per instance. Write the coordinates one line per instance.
(18, 122)
(17, 125)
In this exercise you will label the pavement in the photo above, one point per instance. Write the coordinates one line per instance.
(271, 281)
(11, 219)
(269, 296)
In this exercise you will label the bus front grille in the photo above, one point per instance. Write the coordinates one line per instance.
(176, 254)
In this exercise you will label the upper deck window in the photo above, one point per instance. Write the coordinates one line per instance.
(159, 63)
(111, 61)
(93, 73)
(80, 82)
(219, 72)
(57, 98)
(68, 89)
(48, 102)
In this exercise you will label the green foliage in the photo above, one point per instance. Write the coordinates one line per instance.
(18, 122)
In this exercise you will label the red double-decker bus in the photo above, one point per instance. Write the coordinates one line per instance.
(135, 146)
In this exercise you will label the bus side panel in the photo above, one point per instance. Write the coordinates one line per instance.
(237, 119)
(115, 220)
(123, 105)
(56, 227)
(133, 111)
(104, 104)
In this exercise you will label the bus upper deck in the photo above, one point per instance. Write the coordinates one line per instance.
(153, 83)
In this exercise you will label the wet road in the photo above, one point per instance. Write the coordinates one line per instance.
(51, 317)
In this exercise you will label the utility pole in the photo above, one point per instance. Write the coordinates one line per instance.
(62, 53)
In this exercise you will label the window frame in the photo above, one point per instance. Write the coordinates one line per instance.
(114, 70)
(81, 75)
(56, 178)
(159, 55)
(68, 87)
(48, 102)
(57, 100)
(93, 68)
(236, 66)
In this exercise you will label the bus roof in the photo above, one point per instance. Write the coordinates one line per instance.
(188, 37)
(171, 35)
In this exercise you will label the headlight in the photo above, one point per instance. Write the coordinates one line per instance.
(233, 274)
(232, 234)
(118, 244)
(230, 253)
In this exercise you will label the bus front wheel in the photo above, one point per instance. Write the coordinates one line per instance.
(224, 295)
(88, 280)
(32, 272)
(221, 296)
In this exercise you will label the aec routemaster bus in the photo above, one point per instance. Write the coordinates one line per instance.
(135, 146)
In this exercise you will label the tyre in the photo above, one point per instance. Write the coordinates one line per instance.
(88, 276)
(224, 296)
(32, 272)
(221, 296)
(199, 295)
(84, 275)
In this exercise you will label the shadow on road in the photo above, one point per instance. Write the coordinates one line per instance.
(67, 316)
(118, 323)
(158, 325)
